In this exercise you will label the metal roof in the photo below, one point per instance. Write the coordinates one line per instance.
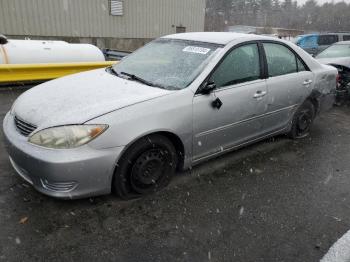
(213, 37)
(343, 43)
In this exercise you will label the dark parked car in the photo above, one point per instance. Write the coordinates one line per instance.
(316, 43)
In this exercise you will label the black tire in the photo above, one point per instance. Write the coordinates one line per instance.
(146, 167)
(302, 120)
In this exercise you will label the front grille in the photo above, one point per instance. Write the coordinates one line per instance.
(23, 127)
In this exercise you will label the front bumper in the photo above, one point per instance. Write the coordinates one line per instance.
(68, 174)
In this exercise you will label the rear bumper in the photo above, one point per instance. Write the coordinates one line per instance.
(326, 102)
(67, 174)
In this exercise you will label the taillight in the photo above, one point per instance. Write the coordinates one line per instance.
(338, 78)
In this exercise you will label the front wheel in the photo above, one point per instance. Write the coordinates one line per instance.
(147, 166)
(302, 120)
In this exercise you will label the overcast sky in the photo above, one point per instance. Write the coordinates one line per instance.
(324, 1)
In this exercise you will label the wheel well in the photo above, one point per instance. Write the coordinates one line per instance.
(180, 149)
(315, 103)
(175, 140)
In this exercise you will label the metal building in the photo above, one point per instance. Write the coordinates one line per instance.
(120, 24)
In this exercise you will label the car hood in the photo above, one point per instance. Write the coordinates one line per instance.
(343, 61)
(78, 98)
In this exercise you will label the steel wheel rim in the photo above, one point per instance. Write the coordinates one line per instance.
(148, 170)
(304, 122)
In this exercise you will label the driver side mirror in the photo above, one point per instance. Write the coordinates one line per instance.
(207, 88)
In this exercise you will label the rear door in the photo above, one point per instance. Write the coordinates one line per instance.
(289, 82)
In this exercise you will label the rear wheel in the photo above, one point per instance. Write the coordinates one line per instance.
(302, 120)
(147, 166)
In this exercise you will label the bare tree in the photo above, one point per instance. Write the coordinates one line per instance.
(277, 13)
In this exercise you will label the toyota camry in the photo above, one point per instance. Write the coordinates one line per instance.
(172, 104)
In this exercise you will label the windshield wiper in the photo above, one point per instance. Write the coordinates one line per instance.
(113, 71)
(139, 79)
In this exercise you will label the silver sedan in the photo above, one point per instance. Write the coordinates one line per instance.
(338, 55)
(174, 103)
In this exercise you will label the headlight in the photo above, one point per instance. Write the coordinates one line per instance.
(65, 137)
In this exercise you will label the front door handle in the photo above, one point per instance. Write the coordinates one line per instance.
(307, 82)
(260, 94)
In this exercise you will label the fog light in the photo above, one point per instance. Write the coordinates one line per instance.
(59, 186)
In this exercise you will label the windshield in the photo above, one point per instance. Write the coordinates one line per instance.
(168, 63)
(335, 51)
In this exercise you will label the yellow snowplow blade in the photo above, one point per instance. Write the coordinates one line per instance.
(10, 73)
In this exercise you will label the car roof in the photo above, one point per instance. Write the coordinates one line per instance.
(308, 35)
(337, 33)
(215, 37)
(343, 43)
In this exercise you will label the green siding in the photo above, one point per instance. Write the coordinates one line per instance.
(91, 18)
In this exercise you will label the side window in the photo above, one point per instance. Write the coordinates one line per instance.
(346, 37)
(241, 65)
(300, 64)
(280, 60)
(327, 39)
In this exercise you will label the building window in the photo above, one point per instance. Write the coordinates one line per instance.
(180, 29)
(116, 7)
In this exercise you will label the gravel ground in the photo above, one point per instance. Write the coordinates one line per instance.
(278, 200)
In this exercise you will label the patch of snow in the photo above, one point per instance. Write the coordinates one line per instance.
(340, 251)
(18, 241)
(329, 177)
(241, 211)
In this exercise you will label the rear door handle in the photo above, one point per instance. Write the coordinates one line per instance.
(307, 82)
(260, 94)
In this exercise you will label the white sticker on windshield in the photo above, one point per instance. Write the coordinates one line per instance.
(196, 49)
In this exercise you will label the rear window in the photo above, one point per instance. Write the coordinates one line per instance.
(327, 39)
(334, 51)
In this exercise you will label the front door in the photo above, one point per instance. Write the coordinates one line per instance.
(243, 95)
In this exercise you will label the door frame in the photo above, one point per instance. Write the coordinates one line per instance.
(264, 73)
